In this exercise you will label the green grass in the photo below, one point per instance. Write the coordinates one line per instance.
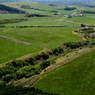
(40, 22)
(75, 78)
(85, 20)
(47, 37)
(11, 50)
(9, 16)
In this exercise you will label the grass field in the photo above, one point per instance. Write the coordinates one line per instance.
(85, 19)
(8, 16)
(75, 78)
(11, 50)
(40, 22)
(47, 37)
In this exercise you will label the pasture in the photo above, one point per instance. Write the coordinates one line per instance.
(10, 16)
(40, 22)
(11, 50)
(38, 37)
(47, 37)
(75, 78)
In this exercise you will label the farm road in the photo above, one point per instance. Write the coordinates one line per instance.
(20, 42)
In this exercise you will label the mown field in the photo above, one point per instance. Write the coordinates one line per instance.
(75, 78)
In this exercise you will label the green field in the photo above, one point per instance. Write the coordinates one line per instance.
(40, 22)
(9, 16)
(11, 50)
(75, 78)
(87, 19)
(47, 37)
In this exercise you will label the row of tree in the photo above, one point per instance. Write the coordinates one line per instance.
(5, 21)
(88, 12)
(37, 15)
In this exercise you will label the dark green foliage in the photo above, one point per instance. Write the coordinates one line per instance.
(17, 63)
(31, 61)
(20, 74)
(88, 30)
(50, 52)
(45, 55)
(26, 6)
(82, 25)
(19, 90)
(70, 8)
(73, 45)
(36, 15)
(8, 78)
(45, 64)
(5, 21)
(10, 9)
(57, 50)
(37, 57)
(88, 12)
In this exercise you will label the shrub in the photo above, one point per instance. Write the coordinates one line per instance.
(37, 57)
(45, 64)
(17, 63)
(20, 74)
(31, 61)
(45, 55)
(57, 50)
(8, 78)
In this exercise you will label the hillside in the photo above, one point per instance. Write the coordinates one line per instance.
(75, 78)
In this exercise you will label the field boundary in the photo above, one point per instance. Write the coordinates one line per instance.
(17, 41)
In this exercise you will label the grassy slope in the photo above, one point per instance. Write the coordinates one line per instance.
(47, 37)
(11, 50)
(75, 78)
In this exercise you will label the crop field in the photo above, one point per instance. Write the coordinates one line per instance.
(11, 50)
(28, 28)
(75, 78)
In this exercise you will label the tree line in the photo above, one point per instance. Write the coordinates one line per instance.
(5, 21)
(11, 9)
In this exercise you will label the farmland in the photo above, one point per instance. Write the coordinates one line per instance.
(37, 37)
(42, 38)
